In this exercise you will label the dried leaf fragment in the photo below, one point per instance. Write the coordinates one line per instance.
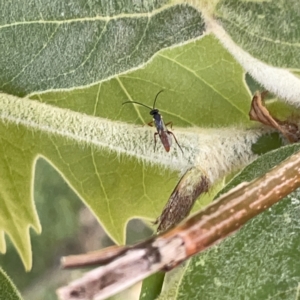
(191, 185)
(259, 112)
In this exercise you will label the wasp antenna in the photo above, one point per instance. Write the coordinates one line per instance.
(132, 102)
(156, 98)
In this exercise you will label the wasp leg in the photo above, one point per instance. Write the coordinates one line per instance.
(155, 134)
(171, 124)
(170, 132)
(150, 124)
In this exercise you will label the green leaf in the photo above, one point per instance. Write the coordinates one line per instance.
(17, 206)
(260, 261)
(47, 46)
(7, 289)
(188, 76)
(267, 143)
(268, 30)
(151, 287)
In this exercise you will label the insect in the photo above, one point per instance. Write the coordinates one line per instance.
(162, 131)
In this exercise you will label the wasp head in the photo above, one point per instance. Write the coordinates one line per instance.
(154, 111)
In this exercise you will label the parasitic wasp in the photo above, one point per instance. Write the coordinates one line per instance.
(162, 130)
